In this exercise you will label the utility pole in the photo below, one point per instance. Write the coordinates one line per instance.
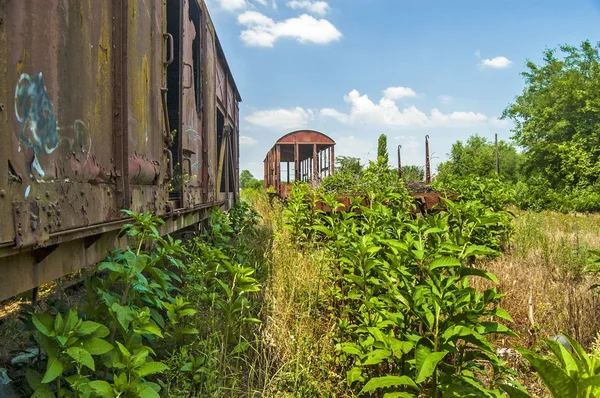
(427, 165)
(497, 157)
(399, 162)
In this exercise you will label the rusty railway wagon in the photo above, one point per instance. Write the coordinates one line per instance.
(107, 105)
(309, 156)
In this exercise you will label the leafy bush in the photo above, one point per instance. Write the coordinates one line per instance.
(409, 323)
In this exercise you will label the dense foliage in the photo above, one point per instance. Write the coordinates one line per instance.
(142, 327)
(557, 126)
(409, 322)
(476, 157)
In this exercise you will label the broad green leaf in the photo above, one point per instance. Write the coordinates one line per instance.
(429, 365)
(324, 230)
(351, 348)
(503, 314)
(388, 381)
(59, 323)
(444, 262)
(399, 395)
(81, 356)
(376, 356)
(478, 272)
(353, 375)
(43, 392)
(44, 323)
(124, 315)
(513, 391)
(400, 347)
(146, 391)
(570, 366)
(102, 388)
(494, 327)
(96, 346)
(115, 267)
(557, 381)
(151, 368)
(34, 379)
(583, 356)
(87, 328)
(53, 370)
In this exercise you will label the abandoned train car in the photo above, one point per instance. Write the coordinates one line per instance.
(303, 155)
(122, 104)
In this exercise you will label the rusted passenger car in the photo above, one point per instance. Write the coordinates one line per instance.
(107, 105)
(303, 155)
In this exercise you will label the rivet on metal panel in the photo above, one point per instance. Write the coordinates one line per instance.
(1, 107)
(2, 193)
(1, 20)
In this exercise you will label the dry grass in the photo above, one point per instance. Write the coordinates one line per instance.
(297, 331)
(547, 264)
(543, 275)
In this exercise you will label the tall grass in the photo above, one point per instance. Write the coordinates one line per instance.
(544, 275)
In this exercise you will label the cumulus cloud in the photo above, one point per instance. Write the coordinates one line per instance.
(247, 141)
(386, 113)
(315, 7)
(496, 63)
(395, 93)
(263, 31)
(232, 5)
(281, 118)
(342, 117)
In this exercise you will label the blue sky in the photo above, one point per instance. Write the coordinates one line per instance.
(354, 69)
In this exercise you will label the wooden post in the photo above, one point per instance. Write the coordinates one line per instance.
(332, 159)
(288, 172)
(278, 168)
(296, 161)
(399, 162)
(314, 162)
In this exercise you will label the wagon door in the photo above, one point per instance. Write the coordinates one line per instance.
(192, 105)
(145, 147)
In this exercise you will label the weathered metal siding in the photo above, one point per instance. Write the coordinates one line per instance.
(82, 131)
(58, 129)
(210, 112)
(145, 77)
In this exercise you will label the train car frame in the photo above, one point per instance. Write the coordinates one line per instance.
(104, 106)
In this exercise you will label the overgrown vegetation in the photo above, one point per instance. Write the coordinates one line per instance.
(161, 318)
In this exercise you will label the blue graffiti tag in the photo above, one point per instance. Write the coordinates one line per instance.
(35, 112)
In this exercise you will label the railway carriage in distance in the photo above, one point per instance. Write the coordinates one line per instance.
(303, 155)
(107, 105)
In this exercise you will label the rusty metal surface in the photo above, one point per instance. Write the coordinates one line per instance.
(83, 131)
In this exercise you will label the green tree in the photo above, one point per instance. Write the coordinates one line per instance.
(347, 164)
(477, 157)
(382, 152)
(245, 178)
(413, 173)
(557, 117)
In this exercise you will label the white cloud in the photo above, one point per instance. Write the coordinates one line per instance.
(232, 5)
(496, 62)
(263, 31)
(343, 118)
(316, 7)
(281, 118)
(247, 141)
(395, 93)
(445, 99)
(387, 113)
